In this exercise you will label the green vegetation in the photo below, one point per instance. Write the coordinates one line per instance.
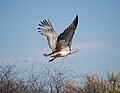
(53, 79)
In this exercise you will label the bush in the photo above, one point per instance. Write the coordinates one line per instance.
(54, 79)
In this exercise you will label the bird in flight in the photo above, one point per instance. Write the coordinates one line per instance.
(60, 45)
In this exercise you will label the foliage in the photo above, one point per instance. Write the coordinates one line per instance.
(53, 79)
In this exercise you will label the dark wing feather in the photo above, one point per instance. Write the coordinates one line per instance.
(47, 30)
(65, 38)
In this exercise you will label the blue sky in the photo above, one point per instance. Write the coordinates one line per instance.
(97, 35)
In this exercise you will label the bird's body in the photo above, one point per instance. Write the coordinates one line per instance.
(65, 51)
(60, 45)
(62, 53)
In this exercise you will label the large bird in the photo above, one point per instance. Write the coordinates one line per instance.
(60, 45)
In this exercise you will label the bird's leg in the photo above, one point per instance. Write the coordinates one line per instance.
(51, 54)
(46, 55)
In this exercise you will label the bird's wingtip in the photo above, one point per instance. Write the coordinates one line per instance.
(76, 21)
(77, 16)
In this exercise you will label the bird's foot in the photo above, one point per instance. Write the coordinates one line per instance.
(51, 60)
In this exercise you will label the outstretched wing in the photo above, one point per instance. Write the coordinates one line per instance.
(47, 30)
(65, 38)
